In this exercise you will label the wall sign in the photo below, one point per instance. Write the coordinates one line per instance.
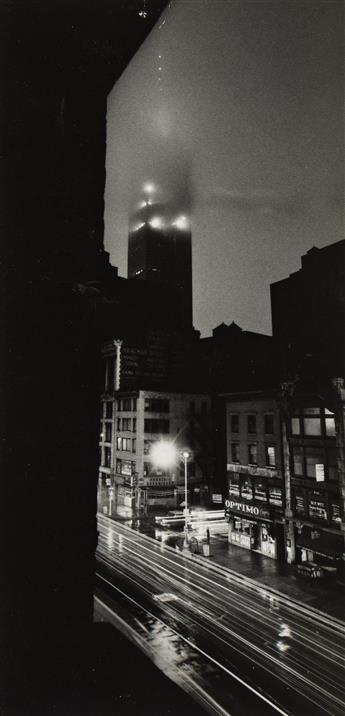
(320, 472)
(317, 508)
(254, 510)
(299, 503)
(275, 496)
(335, 513)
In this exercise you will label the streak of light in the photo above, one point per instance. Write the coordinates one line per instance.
(237, 678)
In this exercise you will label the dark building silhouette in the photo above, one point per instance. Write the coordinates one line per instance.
(62, 58)
(308, 313)
(234, 359)
(160, 250)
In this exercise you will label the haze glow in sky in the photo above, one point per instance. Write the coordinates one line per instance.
(234, 110)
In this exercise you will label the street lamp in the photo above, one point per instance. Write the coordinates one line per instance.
(164, 454)
(186, 456)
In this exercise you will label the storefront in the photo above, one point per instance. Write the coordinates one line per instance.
(252, 527)
(318, 524)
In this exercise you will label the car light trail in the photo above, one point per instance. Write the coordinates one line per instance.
(228, 615)
(219, 709)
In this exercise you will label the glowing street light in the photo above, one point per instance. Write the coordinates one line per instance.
(164, 454)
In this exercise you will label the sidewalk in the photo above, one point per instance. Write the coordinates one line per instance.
(328, 597)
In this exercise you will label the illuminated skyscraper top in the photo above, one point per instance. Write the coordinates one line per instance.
(160, 250)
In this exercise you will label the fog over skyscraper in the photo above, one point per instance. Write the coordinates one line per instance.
(160, 250)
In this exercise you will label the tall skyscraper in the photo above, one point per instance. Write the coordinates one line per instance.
(160, 250)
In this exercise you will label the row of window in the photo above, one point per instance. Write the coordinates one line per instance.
(313, 422)
(318, 463)
(126, 444)
(156, 425)
(157, 405)
(252, 423)
(270, 454)
(106, 432)
(108, 409)
(126, 424)
(125, 467)
(255, 489)
(126, 405)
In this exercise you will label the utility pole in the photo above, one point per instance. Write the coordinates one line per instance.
(287, 390)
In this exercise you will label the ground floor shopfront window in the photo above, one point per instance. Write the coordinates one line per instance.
(253, 535)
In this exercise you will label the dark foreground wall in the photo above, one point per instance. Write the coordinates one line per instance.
(61, 58)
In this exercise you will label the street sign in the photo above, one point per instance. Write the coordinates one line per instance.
(217, 498)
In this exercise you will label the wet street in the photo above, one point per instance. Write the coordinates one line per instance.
(237, 647)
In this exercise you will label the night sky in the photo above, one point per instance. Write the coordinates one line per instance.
(234, 109)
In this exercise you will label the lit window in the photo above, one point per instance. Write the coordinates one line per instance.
(314, 456)
(270, 455)
(312, 426)
(295, 426)
(329, 423)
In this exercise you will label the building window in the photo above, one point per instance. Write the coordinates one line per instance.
(134, 445)
(314, 457)
(251, 422)
(332, 463)
(234, 423)
(109, 409)
(235, 452)
(329, 423)
(134, 425)
(268, 424)
(118, 443)
(126, 423)
(247, 489)
(118, 425)
(297, 461)
(295, 426)
(312, 421)
(126, 404)
(156, 426)
(260, 491)
(107, 457)
(147, 446)
(270, 455)
(108, 432)
(157, 405)
(134, 405)
(252, 454)
(234, 486)
(110, 374)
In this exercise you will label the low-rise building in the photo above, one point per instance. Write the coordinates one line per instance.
(132, 422)
(255, 479)
(315, 434)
